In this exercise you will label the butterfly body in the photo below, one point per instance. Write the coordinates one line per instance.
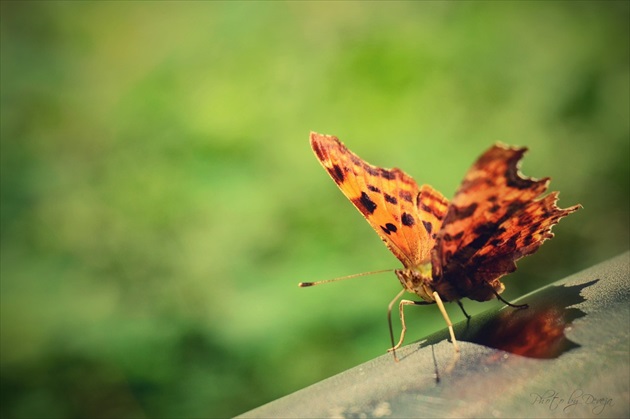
(449, 250)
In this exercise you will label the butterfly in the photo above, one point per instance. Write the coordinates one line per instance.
(449, 250)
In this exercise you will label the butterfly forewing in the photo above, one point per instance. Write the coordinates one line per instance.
(432, 208)
(387, 198)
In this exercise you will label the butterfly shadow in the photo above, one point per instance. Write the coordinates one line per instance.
(533, 332)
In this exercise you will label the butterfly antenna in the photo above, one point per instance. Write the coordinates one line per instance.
(325, 281)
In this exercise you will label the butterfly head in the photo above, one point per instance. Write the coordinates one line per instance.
(418, 280)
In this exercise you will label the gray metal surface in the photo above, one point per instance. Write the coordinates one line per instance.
(567, 355)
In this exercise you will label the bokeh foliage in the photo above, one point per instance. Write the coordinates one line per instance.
(160, 201)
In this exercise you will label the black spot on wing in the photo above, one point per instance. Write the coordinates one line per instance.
(365, 203)
(456, 213)
(387, 174)
(427, 226)
(390, 199)
(428, 196)
(407, 219)
(318, 151)
(389, 228)
(511, 243)
(337, 173)
(485, 228)
(513, 178)
(430, 210)
(406, 195)
(515, 181)
(494, 208)
(373, 171)
(374, 189)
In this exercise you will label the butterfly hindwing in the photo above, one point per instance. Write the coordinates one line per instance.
(496, 217)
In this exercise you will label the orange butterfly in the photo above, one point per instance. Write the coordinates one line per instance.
(449, 250)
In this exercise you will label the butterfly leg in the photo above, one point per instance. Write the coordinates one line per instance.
(389, 322)
(468, 316)
(504, 301)
(440, 305)
(401, 305)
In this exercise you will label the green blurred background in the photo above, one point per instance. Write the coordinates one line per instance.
(160, 201)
